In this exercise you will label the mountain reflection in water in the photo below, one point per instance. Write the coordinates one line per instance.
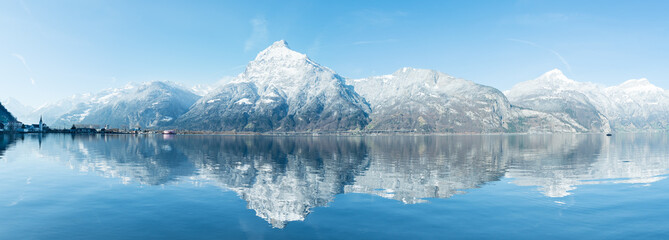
(283, 178)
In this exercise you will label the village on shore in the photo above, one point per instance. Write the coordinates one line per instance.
(41, 127)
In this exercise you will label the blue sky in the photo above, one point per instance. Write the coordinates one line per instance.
(53, 49)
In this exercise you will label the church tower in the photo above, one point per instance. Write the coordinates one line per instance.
(41, 124)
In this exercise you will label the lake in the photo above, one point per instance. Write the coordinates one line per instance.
(560, 186)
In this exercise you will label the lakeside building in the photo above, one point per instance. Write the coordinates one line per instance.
(81, 128)
(17, 126)
(12, 126)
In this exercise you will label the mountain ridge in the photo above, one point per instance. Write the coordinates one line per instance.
(282, 90)
(634, 105)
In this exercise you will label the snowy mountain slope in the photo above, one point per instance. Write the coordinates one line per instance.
(281, 90)
(429, 101)
(640, 105)
(419, 100)
(635, 105)
(145, 105)
(51, 112)
(205, 89)
(554, 93)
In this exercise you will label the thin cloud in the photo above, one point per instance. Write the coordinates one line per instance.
(564, 61)
(375, 41)
(25, 64)
(22, 59)
(258, 34)
(561, 59)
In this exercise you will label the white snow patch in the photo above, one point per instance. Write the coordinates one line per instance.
(243, 101)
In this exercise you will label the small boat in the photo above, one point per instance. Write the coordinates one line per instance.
(169, 132)
(609, 134)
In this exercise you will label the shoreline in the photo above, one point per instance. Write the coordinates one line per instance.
(317, 134)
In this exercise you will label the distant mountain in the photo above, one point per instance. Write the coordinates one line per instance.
(146, 105)
(22, 112)
(419, 100)
(429, 101)
(51, 112)
(636, 105)
(281, 91)
(205, 89)
(5, 116)
(554, 93)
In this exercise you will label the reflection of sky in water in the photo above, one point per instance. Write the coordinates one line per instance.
(284, 179)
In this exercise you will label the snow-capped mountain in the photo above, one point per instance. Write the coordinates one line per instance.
(631, 106)
(206, 89)
(21, 111)
(419, 100)
(281, 90)
(145, 105)
(429, 101)
(51, 112)
(639, 105)
(556, 94)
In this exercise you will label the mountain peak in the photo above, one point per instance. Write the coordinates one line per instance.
(280, 43)
(555, 78)
(554, 74)
(641, 84)
(636, 82)
(279, 50)
(409, 70)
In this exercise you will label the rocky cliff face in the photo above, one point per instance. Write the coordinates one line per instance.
(282, 91)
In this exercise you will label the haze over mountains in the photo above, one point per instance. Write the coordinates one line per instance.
(285, 91)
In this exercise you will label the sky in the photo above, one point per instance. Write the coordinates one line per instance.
(53, 49)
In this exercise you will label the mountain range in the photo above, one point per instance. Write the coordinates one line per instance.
(635, 105)
(282, 90)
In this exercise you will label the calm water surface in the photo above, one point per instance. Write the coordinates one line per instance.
(251, 187)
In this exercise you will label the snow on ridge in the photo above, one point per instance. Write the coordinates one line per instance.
(639, 85)
(633, 104)
(243, 101)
